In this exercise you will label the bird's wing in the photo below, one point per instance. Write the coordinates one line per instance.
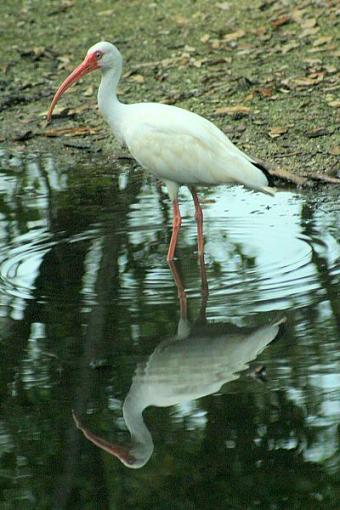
(182, 147)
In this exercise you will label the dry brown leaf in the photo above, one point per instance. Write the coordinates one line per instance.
(205, 38)
(334, 104)
(330, 48)
(224, 6)
(331, 69)
(308, 32)
(89, 91)
(261, 91)
(297, 14)
(107, 13)
(216, 44)
(231, 110)
(137, 78)
(312, 61)
(335, 151)
(308, 23)
(183, 59)
(264, 91)
(77, 131)
(289, 46)
(182, 21)
(233, 36)
(197, 62)
(275, 132)
(282, 20)
(312, 79)
(322, 40)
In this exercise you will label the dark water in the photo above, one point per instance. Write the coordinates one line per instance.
(241, 385)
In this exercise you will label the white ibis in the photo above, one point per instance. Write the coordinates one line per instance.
(177, 146)
(196, 362)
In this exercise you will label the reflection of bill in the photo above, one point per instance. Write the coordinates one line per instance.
(194, 363)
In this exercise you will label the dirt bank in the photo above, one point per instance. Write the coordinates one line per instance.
(266, 74)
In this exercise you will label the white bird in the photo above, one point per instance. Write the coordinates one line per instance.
(177, 146)
(194, 363)
(189, 366)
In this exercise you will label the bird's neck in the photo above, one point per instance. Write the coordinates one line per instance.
(109, 105)
(133, 417)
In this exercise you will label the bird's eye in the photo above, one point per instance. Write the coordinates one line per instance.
(98, 55)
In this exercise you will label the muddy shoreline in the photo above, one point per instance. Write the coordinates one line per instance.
(267, 76)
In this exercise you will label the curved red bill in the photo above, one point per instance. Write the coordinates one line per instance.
(123, 454)
(89, 64)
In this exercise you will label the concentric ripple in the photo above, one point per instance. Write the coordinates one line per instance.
(261, 253)
(20, 261)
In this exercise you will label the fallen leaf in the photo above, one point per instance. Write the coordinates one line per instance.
(329, 48)
(224, 6)
(197, 62)
(265, 91)
(334, 104)
(297, 14)
(77, 131)
(107, 13)
(308, 32)
(275, 132)
(312, 61)
(35, 53)
(233, 36)
(205, 38)
(182, 21)
(308, 23)
(289, 46)
(89, 91)
(331, 69)
(322, 40)
(216, 44)
(64, 62)
(282, 20)
(335, 151)
(137, 78)
(230, 110)
(312, 79)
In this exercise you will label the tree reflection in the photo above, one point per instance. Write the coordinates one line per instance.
(101, 296)
(196, 362)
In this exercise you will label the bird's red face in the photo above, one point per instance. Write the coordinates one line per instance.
(90, 63)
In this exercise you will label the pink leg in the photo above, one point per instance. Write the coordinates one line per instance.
(199, 221)
(176, 224)
(181, 290)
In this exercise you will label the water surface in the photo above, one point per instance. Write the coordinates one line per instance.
(92, 319)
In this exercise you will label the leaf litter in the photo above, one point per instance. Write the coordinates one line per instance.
(275, 66)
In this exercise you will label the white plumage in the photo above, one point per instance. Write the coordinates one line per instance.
(189, 366)
(177, 146)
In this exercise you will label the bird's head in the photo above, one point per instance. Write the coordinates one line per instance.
(102, 55)
(133, 457)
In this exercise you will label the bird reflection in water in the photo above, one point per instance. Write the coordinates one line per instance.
(194, 363)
